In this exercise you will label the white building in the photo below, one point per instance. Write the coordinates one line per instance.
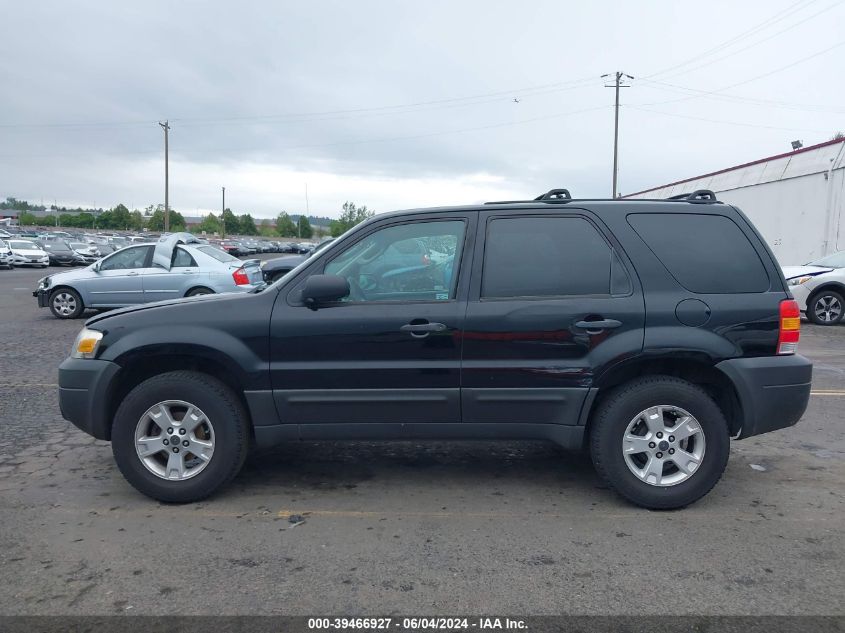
(795, 199)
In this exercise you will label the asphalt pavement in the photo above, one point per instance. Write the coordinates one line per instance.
(404, 527)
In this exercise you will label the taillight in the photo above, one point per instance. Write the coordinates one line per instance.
(241, 278)
(790, 327)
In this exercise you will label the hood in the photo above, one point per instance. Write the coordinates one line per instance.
(143, 307)
(790, 272)
(32, 251)
(288, 261)
(70, 275)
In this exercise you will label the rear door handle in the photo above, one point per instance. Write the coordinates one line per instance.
(422, 329)
(604, 324)
(132, 274)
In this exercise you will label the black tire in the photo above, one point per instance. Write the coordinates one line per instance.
(195, 292)
(622, 405)
(69, 295)
(830, 298)
(222, 408)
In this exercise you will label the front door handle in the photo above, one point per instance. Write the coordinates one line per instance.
(421, 330)
(132, 274)
(603, 324)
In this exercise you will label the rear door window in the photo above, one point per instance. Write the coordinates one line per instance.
(545, 257)
(706, 254)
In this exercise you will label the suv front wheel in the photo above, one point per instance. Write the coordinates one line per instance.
(660, 442)
(178, 437)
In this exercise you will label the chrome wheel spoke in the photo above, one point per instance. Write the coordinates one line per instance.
(653, 471)
(200, 448)
(653, 418)
(175, 466)
(635, 444)
(162, 418)
(686, 462)
(150, 445)
(685, 428)
(193, 418)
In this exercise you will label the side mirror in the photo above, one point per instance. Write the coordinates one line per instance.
(323, 289)
(97, 266)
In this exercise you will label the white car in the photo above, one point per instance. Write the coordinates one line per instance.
(26, 253)
(819, 288)
(6, 258)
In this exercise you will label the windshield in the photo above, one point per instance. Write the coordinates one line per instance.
(78, 246)
(23, 245)
(837, 260)
(216, 253)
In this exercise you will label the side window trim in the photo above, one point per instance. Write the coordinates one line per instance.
(616, 254)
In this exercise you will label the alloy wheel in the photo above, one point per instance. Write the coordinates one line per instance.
(663, 445)
(827, 309)
(174, 440)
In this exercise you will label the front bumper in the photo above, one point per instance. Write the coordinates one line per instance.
(773, 391)
(800, 293)
(25, 261)
(84, 388)
(43, 296)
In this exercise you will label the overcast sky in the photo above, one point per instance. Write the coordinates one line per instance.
(401, 104)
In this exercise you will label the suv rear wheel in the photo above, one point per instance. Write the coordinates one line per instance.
(179, 436)
(660, 442)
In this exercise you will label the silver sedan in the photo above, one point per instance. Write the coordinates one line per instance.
(176, 266)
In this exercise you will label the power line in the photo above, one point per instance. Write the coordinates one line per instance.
(790, 105)
(757, 43)
(737, 123)
(537, 89)
(750, 79)
(334, 144)
(777, 17)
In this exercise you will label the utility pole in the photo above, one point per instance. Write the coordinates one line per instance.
(166, 127)
(223, 217)
(617, 84)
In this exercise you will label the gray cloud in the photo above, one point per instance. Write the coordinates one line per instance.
(298, 92)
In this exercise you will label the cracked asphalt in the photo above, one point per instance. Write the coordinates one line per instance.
(404, 527)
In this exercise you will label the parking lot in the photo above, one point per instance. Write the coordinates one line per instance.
(414, 528)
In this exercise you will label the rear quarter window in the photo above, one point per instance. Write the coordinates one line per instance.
(706, 254)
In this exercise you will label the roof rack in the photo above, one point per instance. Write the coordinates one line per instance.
(699, 195)
(553, 195)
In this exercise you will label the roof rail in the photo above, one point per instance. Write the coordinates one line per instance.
(699, 195)
(555, 194)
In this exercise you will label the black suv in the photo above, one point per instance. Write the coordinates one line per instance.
(650, 332)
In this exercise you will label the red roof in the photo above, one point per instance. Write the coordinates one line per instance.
(754, 162)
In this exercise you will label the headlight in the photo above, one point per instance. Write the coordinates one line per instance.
(86, 344)
(44, 283)
(797, 281)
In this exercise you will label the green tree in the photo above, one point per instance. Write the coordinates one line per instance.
(120, 217)
(231, 225)
(156, 221)
(26, 218)
(210, 224)
(350, 217)
(136, 220)
(304, 226)
(285, 226)
(247, 225)
(266, 229)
